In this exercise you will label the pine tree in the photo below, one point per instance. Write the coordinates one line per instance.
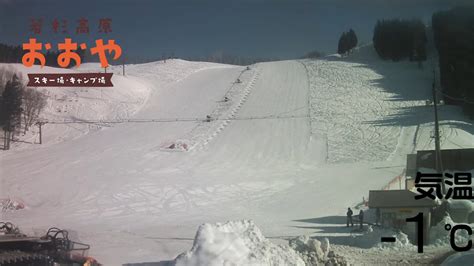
(352, 39)
(347, 41)
(12, 104)
(340, 45)
(343, 44)
(398, 39)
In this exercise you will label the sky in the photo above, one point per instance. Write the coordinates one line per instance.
(279, 29)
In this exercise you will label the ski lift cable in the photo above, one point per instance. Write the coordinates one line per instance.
(454, 98)
(232, 86)
(172, 120)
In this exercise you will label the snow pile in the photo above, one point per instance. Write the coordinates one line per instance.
(236, 243)
(306, 245)
(315, 252)
(401, 243)
(373, 236)
(439, 236)
(460, 210)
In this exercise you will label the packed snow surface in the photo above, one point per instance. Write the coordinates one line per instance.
(295, 144)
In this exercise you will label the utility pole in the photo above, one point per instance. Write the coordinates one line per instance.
(6, 140)
(439, 167)
(123, 66)
(40, 124)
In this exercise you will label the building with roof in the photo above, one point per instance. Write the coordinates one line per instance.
(451, 159)
(459, 160)
(395, 206)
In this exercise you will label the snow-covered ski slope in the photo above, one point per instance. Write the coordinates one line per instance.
(295, 145)
(128, 96)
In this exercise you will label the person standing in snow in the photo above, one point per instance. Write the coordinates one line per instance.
(349, 217)
(361, 218)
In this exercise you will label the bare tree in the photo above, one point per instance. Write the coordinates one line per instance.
(33, 103)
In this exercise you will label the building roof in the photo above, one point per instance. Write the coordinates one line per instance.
(397, 199)
(452, 159)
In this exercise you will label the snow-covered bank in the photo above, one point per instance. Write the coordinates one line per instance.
(242, 243)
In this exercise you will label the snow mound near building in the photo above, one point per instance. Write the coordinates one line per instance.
(439, 236)
(401, 243)
(313, 251)
(316, 252)
(374, 235)
(236, 243)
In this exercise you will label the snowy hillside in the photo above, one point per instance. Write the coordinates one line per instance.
(296, 143)
(373, 110)
(121, 102)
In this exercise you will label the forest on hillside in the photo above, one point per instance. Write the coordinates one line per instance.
(454, 39)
